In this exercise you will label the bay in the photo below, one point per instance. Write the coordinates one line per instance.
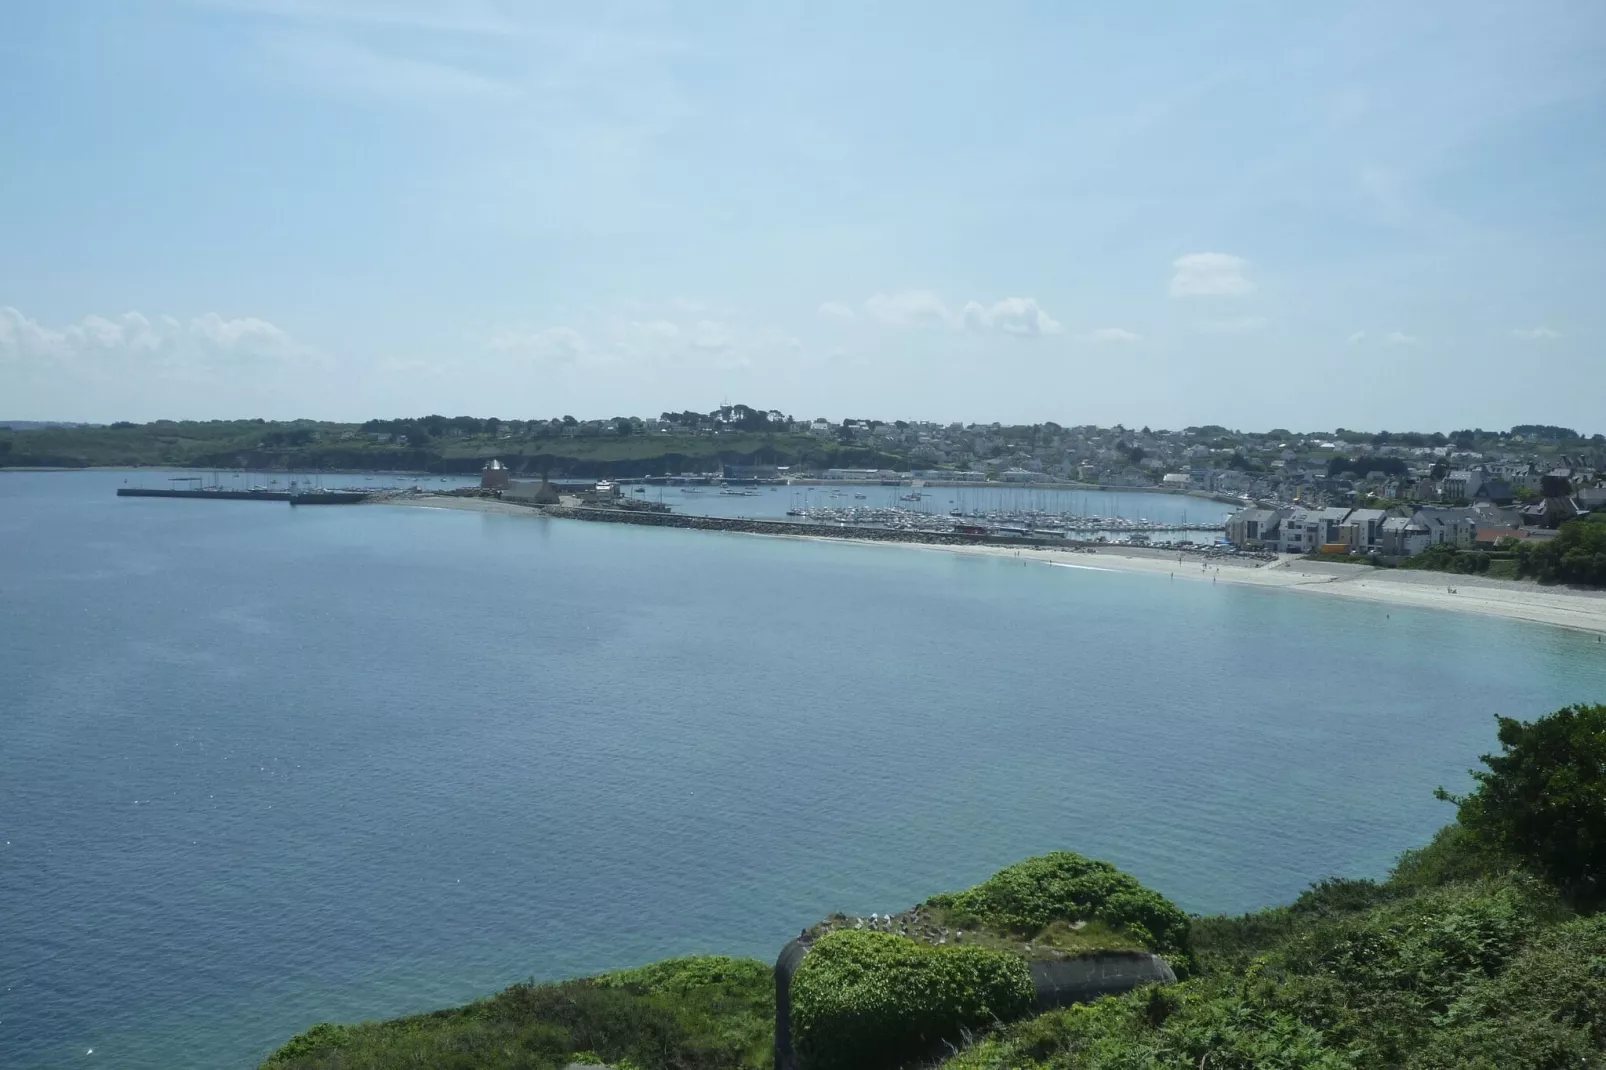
(263, 766)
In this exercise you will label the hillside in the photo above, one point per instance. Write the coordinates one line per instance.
(1483, 949)
(306, 445)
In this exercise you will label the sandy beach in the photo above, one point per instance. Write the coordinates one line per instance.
(1512, 599)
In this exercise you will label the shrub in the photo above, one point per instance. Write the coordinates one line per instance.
(868, 999)
(1064, 886)
(1355, 976)
(1547, 1010)
(1455, 853)
(1543, 798)
(707, 1013)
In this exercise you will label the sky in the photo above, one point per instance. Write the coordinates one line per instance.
(1367, 215)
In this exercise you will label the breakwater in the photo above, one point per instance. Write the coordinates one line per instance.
(294, 497)
(206, 494)
(782, 527)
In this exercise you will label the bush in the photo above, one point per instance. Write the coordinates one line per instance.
(1455, 853)
(1543, 798)
(1359, 976)
(1576, 555)
(706, 1013)
(1064, 886)
(870, 1000)
(1547, 1010)
(1443, 558)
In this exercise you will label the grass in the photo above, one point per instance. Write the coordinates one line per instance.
(863, 1000)
(1461, 959)
(252, 444)
(1065, 888)
(1458, 960)
(702, 1013)
(1054, 940)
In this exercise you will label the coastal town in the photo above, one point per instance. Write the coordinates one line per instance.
(1340, 492)
(1376, 493)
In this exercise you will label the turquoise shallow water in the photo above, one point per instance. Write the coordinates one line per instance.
(264, 766)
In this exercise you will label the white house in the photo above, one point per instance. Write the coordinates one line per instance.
(1402, 536)
(1298, 532)
(1462, 485)
(1449, 527)
(1254, 528)
(1362, 530)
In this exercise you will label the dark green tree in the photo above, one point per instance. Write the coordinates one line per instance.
(1543, 797)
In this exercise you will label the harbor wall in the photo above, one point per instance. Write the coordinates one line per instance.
(780, 527)
(206, 495)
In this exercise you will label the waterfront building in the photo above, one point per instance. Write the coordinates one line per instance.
(495, 476)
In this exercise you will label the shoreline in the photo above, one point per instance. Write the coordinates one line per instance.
(1107, 488)
(1519, 600)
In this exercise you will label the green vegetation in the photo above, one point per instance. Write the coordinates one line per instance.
(705, 1013)
(1576, 555)
(1489, 973)
(1444, 558)
(863, 1000)
(1360, 467)
(1031, 896)
(430, 444)
(867, 999)
(1543, 798)
(1483, 950)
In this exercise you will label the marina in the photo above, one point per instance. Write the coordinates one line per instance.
(1018, 523)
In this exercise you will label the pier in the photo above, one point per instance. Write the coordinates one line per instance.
(294, 497)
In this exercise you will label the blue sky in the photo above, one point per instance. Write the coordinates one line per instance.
(1373, 215)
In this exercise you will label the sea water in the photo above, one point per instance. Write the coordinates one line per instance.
(263, 766)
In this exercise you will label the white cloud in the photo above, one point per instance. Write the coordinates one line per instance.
(1012, 315)
(1399, 338)
(1210, 275)
(461, 16)
(1018, 316)
(134, 366)
(1535, 334)
(837, 310)
(342, 65)
(560, 345)
(627, 343)
(1357, 338)
(908, 308)
(1106, 335)
(1237, 325)
(135, 340)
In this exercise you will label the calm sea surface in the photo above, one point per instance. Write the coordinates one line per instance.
(263, 766)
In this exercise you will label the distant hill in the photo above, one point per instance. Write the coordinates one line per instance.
(35, 425)
(307, 445)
